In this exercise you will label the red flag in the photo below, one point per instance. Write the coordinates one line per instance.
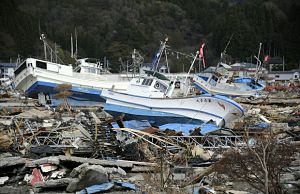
(201, 55)
(266, 58)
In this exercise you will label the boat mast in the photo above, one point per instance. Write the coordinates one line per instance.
(258, 62)
(43, 38)
(195, 57)
(48, 48)
(158, 55)
(75, 54)
(224, 51)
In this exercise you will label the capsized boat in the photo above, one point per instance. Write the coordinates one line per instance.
(152, 99)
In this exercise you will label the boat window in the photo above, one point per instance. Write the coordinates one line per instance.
(20, 68)
(77, 69)
(150, 82)
(214, 78)
(92, 70)
(159, 86)
(98, 71)
(147, 82)
(41, 64)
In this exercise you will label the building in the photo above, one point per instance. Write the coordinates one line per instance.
(162, 68)
(7, 70)
(246, 70)
(285, 75)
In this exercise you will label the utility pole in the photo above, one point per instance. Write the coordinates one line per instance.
(72, 56)
(283, 63)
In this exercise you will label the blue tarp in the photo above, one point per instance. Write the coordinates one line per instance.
(126, 185)
(134, 124)
(262, 125)
(208, 127)
(97, 188)
(178, 127)
(107, 186)
(187, 128)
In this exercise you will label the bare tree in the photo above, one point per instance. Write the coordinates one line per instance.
(63, 93)
(260, 162)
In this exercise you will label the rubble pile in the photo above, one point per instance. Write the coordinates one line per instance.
(42, 131)
(66, 173)
(85, 150)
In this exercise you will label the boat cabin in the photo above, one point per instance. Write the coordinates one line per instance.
(90, 66)
(32, 63)
(148, 87)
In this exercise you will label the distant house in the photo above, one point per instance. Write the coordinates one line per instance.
(275, 63)
(238, 69)
(162, 68)
(285, 75)
(245, 69)
(7, 70)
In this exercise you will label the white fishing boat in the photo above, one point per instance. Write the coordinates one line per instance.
(40, 78)
(220, 83)
(161, 101)
(152, 99)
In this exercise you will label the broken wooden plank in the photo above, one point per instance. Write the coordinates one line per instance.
(12, 161)
(120, 163)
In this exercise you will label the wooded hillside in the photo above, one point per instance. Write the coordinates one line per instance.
(113, 28)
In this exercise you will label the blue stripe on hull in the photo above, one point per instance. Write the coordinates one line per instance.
(201, 89)
(224, 98)
(154, 117)
(80, 96)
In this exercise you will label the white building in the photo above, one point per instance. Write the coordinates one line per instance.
(7, 70)
(285, 75)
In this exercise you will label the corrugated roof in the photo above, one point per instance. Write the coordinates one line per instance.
(8, 65)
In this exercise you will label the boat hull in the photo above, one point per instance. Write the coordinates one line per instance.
(85, 90)
(230, 90)
(158, 111)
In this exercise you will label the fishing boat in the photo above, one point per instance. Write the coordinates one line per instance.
(152, 99)
(40, 78)
(219, 82)
(160, 100)
(222, 83)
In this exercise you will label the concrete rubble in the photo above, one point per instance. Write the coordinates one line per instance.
(45, 149)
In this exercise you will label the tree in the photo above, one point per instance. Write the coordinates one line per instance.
(260, 162)
(63, 93)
